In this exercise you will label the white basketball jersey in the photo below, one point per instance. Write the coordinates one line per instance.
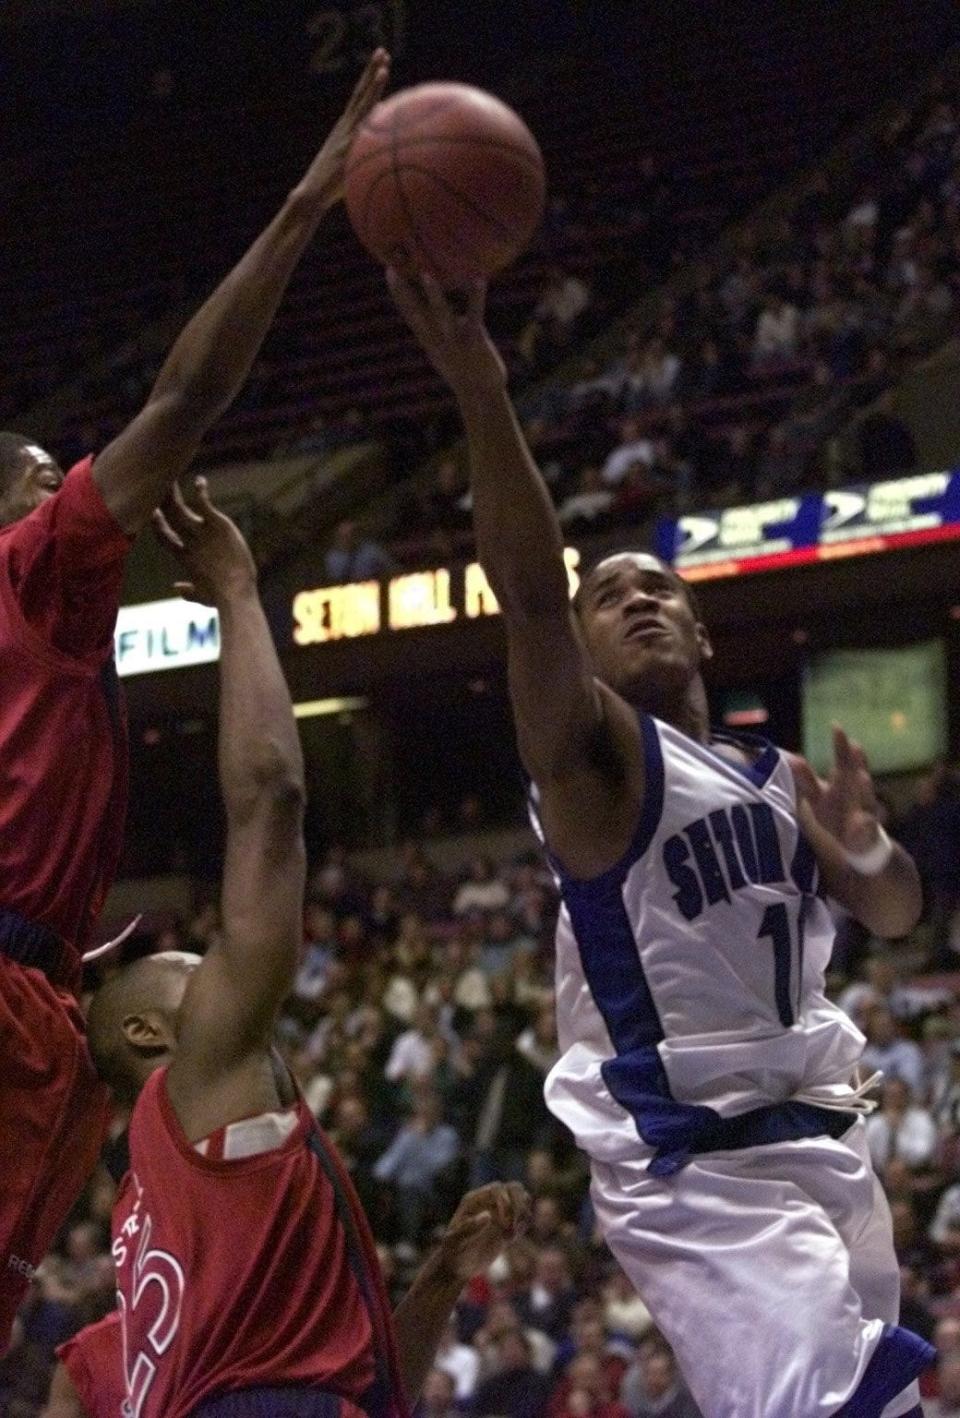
(690, 975)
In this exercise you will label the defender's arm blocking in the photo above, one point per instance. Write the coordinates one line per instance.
(211, 359)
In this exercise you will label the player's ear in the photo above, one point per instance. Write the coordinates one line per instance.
(148, 1032)
(704, 642)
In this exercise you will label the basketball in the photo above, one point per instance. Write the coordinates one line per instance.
(445, 177)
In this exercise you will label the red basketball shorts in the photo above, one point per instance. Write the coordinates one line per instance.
(53, 1116)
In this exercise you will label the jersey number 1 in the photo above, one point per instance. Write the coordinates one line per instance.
(777, 925)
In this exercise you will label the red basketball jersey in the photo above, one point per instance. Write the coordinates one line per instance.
(63, 752)
(245, 1273)
(94, 1360)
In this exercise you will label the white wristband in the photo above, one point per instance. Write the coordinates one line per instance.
(874, 859)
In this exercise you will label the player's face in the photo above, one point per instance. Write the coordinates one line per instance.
(38, 478)
(639, 626)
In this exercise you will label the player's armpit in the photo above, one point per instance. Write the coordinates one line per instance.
(579, 742)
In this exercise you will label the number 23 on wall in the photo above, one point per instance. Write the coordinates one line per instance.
(346, 35)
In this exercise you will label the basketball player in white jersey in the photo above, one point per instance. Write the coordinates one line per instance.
(703, 1070)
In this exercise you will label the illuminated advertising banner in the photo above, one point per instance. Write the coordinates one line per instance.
(409, 602)
(794, 531)
(165, 635)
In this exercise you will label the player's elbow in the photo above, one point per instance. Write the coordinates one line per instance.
(270, 782)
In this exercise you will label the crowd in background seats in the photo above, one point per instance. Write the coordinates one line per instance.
(421, 1028)
(738, 388)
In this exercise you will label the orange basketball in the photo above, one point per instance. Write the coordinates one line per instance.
(445, 177)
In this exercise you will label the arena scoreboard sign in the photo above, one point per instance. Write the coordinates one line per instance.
(796, 531)
(165, 635)
(409, 602)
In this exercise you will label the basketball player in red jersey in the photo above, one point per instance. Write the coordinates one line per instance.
(247, 1277)
(63, 759)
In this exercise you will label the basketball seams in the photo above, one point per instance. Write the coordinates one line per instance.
(370, 191)
(402, 194)
(465, 140)
(488, 218)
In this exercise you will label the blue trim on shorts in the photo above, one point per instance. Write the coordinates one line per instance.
(277, 1402)
(899, 1358)
(33, 946)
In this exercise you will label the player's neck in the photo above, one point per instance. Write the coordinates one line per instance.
(684, 708)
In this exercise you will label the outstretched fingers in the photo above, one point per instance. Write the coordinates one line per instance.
(369, 88)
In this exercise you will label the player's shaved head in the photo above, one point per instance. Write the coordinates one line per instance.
(14, 449)
(132, 1022)
(28, 475)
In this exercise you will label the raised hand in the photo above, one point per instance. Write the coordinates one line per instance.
(486, 1220)
(454, 336)
(209, 546)
(845, 804)
(323, 182)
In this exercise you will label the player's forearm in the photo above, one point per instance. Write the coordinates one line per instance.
(519, 540)
(888, 904)
(420, 1320)
(260, 754)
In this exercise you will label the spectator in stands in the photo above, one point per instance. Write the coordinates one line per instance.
(883, 985)
(633, 448)
(776, 335)
(651, 380)
(945, 1101)
(584, 1392)
(653, 1387)
(563, 302)
(422, 1150)
(623, 1309)
(548, 1303)
(887, 1051)
(585, 510)
(900, 1129)
(517, 1390)
(924, 317)
(482, 891)
(414, 1054)
(460, 1362)
(945, 1227)
(353, 557)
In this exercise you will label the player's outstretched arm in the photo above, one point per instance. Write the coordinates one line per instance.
(875, 879)
(578, 740)
(207, 366)
(233, 997)
(486, 1221)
